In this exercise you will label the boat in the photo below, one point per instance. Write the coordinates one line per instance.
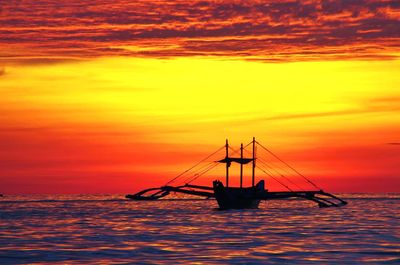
(239, 197)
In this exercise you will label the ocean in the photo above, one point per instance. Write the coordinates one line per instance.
(108, 229)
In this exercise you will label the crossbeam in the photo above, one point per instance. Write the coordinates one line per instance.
(328, 200)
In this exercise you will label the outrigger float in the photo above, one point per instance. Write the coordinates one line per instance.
(240, 197)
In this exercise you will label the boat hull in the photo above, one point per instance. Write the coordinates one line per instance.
(237, 198)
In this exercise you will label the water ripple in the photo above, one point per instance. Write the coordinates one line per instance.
(109, 230)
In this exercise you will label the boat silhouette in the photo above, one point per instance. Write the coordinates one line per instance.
(240, 197)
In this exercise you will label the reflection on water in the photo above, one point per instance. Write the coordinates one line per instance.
(107, 229)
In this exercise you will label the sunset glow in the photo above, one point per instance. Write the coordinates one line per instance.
(113, 98)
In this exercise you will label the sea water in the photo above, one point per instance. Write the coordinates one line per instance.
(108, 229)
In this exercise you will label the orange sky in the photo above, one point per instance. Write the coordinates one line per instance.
(116, 97)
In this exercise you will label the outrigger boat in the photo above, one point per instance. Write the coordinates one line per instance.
(240, 197)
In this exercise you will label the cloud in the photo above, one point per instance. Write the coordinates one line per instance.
(393, 143)
(314, 115)
(273, 30)
(377, 105)
(2, 71)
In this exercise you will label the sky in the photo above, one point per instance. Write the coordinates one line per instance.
(117, 96)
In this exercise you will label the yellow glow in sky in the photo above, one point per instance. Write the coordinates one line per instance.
(195, 91)
(297, 108)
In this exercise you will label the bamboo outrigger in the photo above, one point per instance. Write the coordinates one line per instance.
(240, 197)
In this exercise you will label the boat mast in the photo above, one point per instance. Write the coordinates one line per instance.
(227, 164)
(241, 166)
(254, 162)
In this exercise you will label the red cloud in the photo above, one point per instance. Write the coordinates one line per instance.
(273, 30)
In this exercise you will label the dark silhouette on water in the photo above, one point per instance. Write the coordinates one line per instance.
(240, 197)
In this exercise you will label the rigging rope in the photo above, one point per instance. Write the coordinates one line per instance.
(271, 165)
(211, 165)
(198, 171)
(172, 180)
(275, 165)
(309, 181)
(277, 172)
(236, 151)
(204, 169)
(274, 178)
(202, 173)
